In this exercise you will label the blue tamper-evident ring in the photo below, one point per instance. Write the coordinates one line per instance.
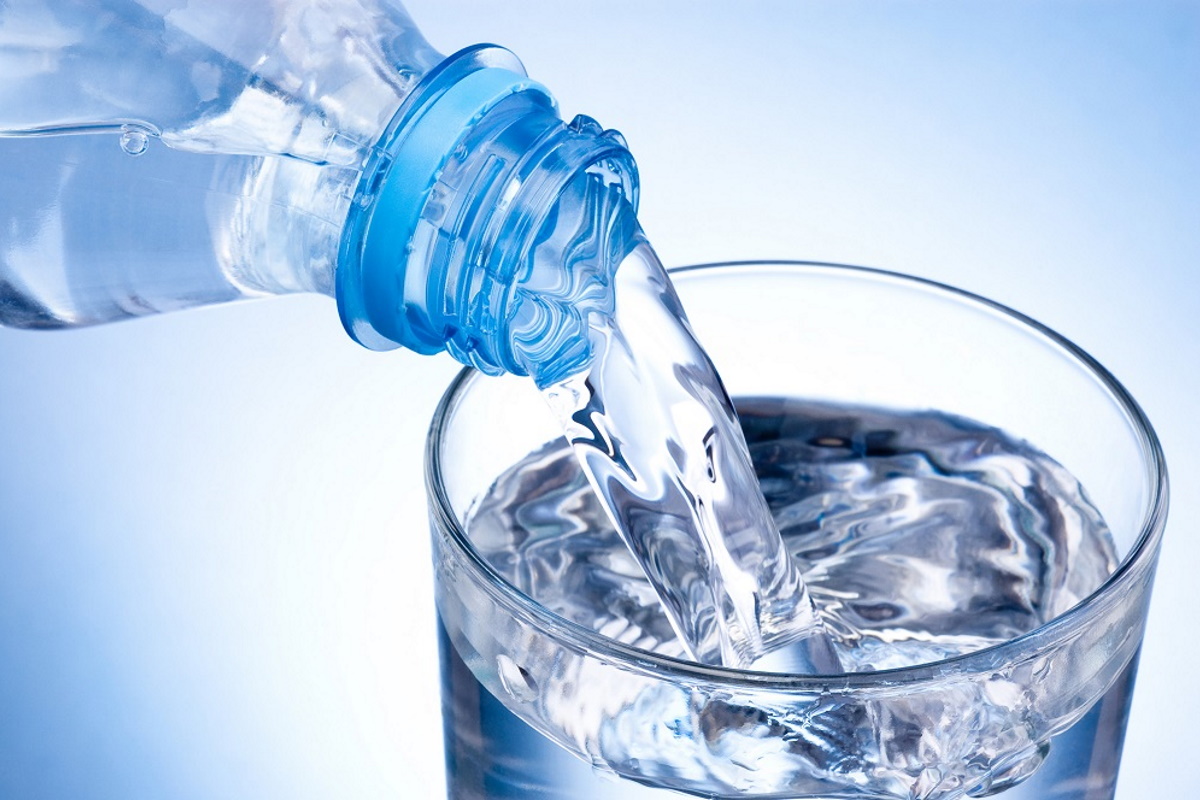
(371, 275)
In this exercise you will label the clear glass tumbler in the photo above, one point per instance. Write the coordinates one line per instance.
(539, 707)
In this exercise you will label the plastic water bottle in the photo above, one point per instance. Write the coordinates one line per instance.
(157, 156)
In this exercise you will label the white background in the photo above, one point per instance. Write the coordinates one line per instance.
(214, 567)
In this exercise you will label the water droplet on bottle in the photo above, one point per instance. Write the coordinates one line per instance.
(134, 142)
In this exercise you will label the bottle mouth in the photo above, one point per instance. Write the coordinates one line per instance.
(450, 204)
(499, 253)
(397, 182)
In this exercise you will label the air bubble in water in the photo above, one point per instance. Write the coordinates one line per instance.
(134, 142)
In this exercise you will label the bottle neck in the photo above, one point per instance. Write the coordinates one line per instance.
(440, 246)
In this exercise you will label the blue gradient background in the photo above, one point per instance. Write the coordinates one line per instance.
(214, 573)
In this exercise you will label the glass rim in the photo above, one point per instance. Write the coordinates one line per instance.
(986, 659)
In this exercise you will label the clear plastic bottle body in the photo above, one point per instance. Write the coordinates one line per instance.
(158, 158)
(93, 235)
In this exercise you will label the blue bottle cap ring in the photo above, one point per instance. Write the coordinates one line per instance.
(392, 196)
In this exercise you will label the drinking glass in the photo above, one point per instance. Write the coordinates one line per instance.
(541, 708)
